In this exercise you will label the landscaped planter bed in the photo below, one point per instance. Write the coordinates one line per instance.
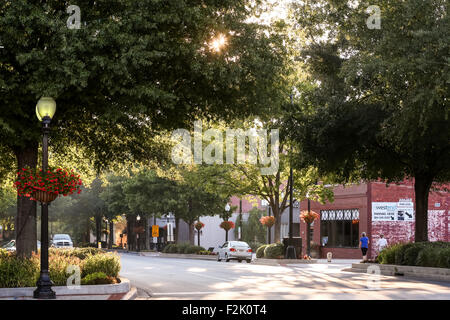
(103, 289)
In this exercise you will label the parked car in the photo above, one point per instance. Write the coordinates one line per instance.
(236, 250)
(62, 241)
(11, 246)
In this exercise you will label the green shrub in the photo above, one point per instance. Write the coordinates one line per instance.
(87, 245)
(274, 251)
(97, 278)
(260, 251)
(193, 249)
(254, 245)
(387, 256)
(173, 249)
(107, 263)
(411, 253)
(58, 265)
(81, 253)
(181, 247)
(18, 272)
(3, 253)
(444, 258)
(428, 257)
(400, 253)
(167, 248)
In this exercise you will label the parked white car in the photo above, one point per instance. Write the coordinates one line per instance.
(236, 250)
(11, 246)
(62, 241)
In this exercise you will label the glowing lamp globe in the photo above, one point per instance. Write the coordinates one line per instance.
(46, 107)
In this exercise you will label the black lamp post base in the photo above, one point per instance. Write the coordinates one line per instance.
(44, 288)
(290, 253)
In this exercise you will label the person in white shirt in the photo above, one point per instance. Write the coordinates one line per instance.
(382, 243)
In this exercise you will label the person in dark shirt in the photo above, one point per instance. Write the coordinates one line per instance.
(364, 245)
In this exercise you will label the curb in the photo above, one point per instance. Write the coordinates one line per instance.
(131, 295)
(281, 262)
(180, 256)
(270, 262)
(427, 273)
(104, 289)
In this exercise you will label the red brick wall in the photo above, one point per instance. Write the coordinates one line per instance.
(349, 197)
(361, 197)
(399, 231)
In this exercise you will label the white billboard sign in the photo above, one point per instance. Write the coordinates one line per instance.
(393, 211)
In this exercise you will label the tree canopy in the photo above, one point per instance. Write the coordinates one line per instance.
(132, 68)
(376, 105)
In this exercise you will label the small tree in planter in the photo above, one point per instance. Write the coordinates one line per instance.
(198, 226)
(308, 217)
(268, 221)
(227, 225)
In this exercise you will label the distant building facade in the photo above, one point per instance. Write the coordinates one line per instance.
(376, 209)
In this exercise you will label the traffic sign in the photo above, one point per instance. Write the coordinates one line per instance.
(155, 231)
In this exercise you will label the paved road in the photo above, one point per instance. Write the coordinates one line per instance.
(170, 278)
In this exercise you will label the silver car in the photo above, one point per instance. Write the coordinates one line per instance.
(11, 246)
(62, 241)
(236, 250)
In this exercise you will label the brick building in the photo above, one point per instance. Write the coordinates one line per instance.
(373, 208)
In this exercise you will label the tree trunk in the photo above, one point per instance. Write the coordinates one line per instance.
(98, 230)
(422, 185)
(277, 214)
(111, 233)
(131, 237)
(25, 224)
(308, 240)
(191, 233)
(175, 235)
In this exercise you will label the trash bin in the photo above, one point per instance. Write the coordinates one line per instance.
(297, 243)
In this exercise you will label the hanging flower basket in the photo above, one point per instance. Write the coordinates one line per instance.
(47, 186)
(44, 197)
(267, 221)
(227, 225)
(309, 217)
(199, 225)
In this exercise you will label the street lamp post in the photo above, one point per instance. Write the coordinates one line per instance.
(240, 220)
(227, 209)
(45, 109)
(138, 218)
(290, 251)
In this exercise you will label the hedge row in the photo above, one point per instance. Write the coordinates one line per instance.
(20, 272)
(423, 254)
(270, 251)
(183, 248)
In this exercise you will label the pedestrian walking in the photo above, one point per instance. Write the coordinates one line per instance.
(382, 243)
(364, 245)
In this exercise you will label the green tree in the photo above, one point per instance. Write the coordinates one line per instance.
(377, 106)
(254, 230)
(133, 68)
(7, 206)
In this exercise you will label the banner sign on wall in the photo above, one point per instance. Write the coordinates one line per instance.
(393, 211)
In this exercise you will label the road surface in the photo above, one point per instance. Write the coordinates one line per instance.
(171, 278)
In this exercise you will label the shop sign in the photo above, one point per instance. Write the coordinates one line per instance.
(393, 211)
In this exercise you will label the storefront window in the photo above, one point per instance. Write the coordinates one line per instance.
(339, 228)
